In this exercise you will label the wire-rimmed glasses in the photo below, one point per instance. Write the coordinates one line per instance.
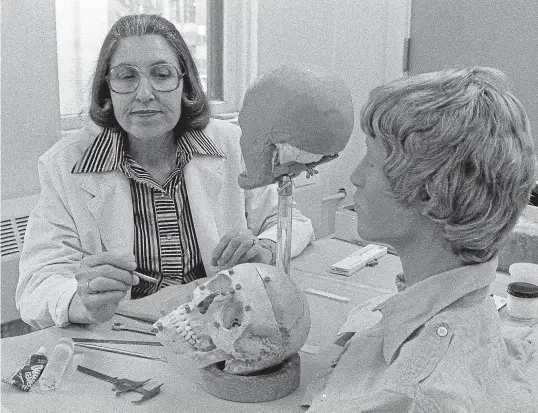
(163, 77)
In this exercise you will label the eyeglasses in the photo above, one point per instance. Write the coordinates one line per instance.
(162, 77)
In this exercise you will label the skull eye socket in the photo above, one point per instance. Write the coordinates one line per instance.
(232, 315)
(205, 303)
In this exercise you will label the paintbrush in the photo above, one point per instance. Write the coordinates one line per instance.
(138, 274)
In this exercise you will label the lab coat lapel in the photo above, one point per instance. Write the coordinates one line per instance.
(111, 207)
(204, 180)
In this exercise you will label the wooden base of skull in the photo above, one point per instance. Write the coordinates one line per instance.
(263, 386)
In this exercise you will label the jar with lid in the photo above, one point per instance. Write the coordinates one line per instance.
(522, 301)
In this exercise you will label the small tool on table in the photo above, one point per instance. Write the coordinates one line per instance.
(124, 385)
(123, 327)
(113, 341)
(146, 318)
(124, 352)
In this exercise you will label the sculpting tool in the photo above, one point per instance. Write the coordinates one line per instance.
(137, 316)
(138, 274)
(113, 341)
(327, 295)
(124, 352)
(123, 327)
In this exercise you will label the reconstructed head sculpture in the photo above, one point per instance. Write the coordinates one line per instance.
(251, 316)
(292, 120)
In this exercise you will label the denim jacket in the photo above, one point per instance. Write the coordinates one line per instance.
(437, 348)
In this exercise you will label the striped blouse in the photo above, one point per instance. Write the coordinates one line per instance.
(165, 245)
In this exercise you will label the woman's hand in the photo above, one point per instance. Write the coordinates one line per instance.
(103, 281)
(240, 247)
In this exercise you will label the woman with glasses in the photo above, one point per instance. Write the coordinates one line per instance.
(151, 186)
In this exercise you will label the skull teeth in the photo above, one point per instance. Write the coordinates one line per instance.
(185, 330)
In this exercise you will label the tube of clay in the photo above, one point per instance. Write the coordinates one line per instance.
(27, 375)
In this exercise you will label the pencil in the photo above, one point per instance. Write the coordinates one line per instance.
(138, 274)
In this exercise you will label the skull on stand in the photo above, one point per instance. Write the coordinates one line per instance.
(251, 317)
(292, 120)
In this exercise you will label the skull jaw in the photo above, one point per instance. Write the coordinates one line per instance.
(202, 358)
(204, 355)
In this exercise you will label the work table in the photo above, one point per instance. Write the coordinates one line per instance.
(180, 392)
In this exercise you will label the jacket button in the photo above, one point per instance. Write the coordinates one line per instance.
(442, 330)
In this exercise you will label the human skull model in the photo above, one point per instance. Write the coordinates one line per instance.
(292, 120)
(251, 316)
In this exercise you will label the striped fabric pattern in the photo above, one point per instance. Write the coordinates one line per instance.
(165, 245)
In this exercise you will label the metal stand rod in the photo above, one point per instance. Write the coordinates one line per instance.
(285, 210)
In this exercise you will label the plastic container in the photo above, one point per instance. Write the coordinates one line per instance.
(52, 376)
(522, 301)
(524, 272)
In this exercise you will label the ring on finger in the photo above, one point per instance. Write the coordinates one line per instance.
(90, 290)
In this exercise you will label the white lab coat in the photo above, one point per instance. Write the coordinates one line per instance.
(95, 211)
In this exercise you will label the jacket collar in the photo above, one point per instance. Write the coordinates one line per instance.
(406, 311)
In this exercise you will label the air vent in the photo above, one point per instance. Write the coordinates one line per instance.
(14, 218)
(21, 223)
(13, 231)
(10, 243)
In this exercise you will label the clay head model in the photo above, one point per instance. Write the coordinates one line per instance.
(251, 316)
(292, 120)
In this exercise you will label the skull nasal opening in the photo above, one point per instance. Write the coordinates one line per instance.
(232, 315)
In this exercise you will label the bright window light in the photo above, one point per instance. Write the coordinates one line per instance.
(81, 26)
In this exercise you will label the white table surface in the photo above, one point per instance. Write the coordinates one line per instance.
(180, 392)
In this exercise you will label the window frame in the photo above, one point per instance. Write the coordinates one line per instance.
(240, 58)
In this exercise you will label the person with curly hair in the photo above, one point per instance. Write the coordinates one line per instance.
(449, 168)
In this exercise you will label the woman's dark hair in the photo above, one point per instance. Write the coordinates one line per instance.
(195, 110)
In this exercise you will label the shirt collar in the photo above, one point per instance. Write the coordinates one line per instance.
(406, 311)
(197, 142)
(106, 153)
